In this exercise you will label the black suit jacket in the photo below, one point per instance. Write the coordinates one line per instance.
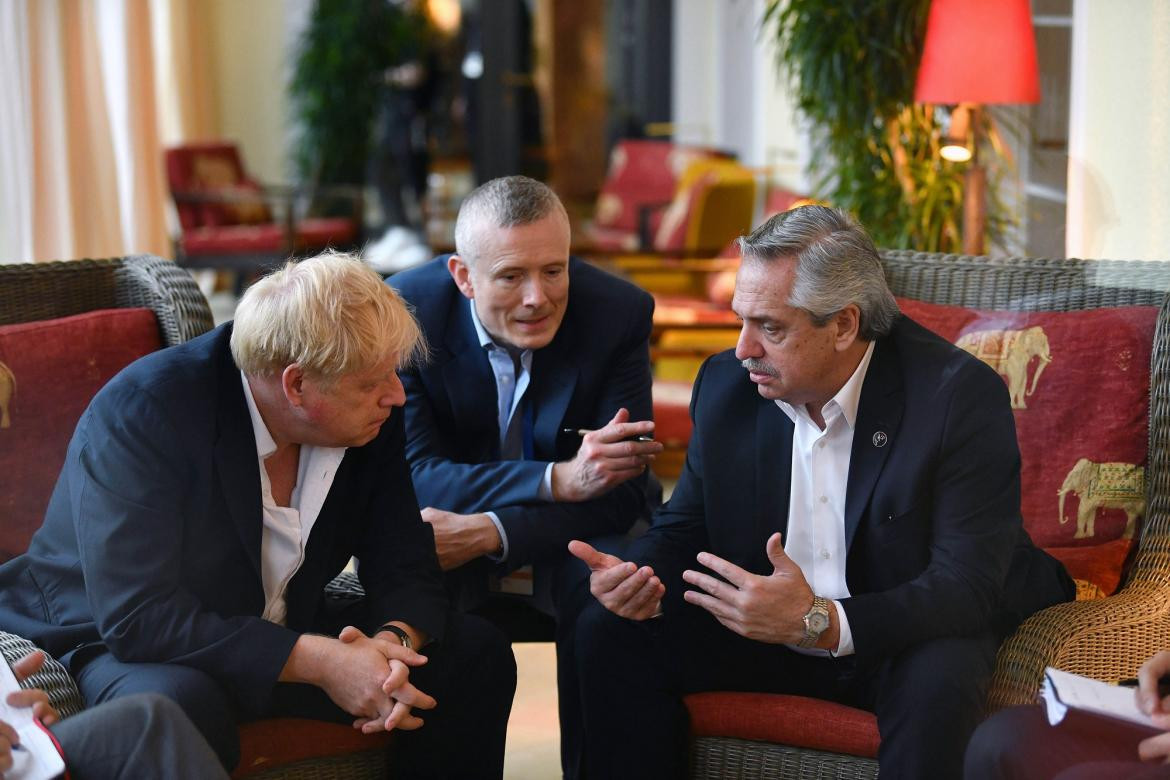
(151, 542)
(935, 542)
(598, 361)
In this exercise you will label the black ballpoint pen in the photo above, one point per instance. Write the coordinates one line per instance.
(583, 431)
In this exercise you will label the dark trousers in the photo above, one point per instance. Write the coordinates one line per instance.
(1019, 744)
(632, 677)
(136, 737)
(562, 591)
(472, 675)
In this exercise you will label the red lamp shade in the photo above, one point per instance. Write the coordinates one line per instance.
(978, 51)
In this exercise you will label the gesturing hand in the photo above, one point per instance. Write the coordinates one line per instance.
(621, 587)
(765, 608)
(607, 457)
(461, 538)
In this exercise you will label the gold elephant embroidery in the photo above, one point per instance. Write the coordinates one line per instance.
(1010, 352)
(1105, 486)
(7, 391)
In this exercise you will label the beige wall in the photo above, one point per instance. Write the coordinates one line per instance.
(251, 52)
(1119, 135)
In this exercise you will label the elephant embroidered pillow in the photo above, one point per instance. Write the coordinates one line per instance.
(1079, 385)
(49, 371)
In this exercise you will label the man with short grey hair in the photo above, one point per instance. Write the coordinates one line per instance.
(847, 525)
(522, 427)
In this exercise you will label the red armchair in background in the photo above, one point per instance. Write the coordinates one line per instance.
(229, 221)
(664, 197)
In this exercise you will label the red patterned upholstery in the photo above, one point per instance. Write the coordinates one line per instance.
(49, 370)
(787, 720)
(1080, 384)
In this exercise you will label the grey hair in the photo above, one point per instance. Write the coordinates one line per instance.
(501, 203)
(836, 264)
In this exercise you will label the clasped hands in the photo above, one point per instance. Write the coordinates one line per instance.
(369, 677)
(767, 608)
(33, 698)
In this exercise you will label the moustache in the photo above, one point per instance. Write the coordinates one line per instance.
(757, 366)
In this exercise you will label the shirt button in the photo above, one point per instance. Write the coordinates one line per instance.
(824, 499)
(821, 445)
(825, 554)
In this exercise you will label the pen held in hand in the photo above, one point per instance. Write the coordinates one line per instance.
(583, 431)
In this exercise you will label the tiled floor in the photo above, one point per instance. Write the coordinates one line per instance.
(533, 751)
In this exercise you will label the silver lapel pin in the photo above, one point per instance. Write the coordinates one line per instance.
(880, 439)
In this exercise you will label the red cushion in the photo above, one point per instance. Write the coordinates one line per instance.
(788, 720)
(58, 366)
(267, 744)
(233, 239)
(1090, 405)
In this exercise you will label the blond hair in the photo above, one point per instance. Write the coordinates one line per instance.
(330, 314)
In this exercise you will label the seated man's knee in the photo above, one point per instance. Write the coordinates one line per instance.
(1002, 741)
(482, 652)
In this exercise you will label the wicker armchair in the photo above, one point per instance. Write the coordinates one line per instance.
(1107, 638)
(278, 749)
(41, 291)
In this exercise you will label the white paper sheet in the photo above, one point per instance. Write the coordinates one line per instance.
(1064, 690)
(37, 757)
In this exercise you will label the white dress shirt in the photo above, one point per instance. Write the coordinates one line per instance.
(816, 508)
(287, 528)
(509, 392)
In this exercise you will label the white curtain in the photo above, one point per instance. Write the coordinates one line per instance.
(94, 91)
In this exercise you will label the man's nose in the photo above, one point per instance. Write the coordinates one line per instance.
(747, 346)
(395, 394)
(534, 294)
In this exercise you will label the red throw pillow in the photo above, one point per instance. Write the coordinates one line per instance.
(1080, 384)
(49, 371)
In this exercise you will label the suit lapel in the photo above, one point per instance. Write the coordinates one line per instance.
(773, 468)
(553, 379)
(236, 459)
(879, 413)
(468, 377)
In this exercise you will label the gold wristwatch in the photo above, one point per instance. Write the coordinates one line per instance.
(816, 621)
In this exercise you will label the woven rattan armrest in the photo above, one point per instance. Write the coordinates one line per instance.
(1107, 639)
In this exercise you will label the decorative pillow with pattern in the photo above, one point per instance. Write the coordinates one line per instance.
(1079, 384)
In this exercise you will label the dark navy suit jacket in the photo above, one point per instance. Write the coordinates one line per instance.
(598, 362)
(151, 542)
(935, 543)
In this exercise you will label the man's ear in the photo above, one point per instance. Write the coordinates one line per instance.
(461, 273)
(848, 322)
(292, 382)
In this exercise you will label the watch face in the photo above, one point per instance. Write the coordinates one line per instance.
(817, 622)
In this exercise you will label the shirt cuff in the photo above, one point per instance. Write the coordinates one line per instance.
(545, 487)
(503, 553)
(845, 636)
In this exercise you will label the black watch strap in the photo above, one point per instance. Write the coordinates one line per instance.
(403, 637)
